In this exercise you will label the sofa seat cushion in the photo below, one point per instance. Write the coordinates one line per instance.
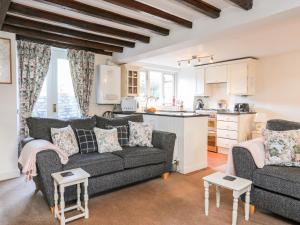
(95, 163)
(283, 180)
(141, 156)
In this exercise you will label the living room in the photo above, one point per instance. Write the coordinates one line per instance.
(149, 112)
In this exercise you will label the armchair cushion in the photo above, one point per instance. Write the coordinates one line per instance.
(284, 180)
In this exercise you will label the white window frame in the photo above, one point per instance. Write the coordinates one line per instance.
(174, 74)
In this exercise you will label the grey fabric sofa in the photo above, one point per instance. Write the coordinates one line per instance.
(275, 188)
(108, 170)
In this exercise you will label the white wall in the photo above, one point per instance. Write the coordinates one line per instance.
(94, 107)
(8, 120)
(277, 88)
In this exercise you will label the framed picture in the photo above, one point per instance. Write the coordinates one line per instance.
(5, 61)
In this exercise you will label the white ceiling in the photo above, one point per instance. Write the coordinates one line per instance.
(270, 36)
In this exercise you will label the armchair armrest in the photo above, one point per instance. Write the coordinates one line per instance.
(243, 161)
(166, 141)
(48, 162)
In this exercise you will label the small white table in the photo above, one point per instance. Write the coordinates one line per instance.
(79, 176)
(239, 186)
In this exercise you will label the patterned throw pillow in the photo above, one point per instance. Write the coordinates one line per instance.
(107, 140)
(282, 147)
(65, 139)
(140, 134)
(123, 134)
(87, 141)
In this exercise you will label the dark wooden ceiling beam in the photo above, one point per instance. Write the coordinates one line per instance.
(202, 7)
(141, 7)
(62, 39)
(61, 45)
(105, 14)
(245, 4)
(4, 5)
(42, 14)
(27, 23)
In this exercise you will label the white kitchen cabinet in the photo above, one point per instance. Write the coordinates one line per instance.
(241, 77)
(216, 74)
(130, 81)
(108, 84)
(232, 129)
(202, 88)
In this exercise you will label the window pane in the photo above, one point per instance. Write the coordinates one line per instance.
(143, 84)
(40, 107)
(67, 104)
(168, 88)
(156, 85)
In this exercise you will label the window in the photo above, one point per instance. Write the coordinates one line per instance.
(57, 98)
(158, 84)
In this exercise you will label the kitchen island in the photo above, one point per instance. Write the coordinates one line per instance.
(190, 128)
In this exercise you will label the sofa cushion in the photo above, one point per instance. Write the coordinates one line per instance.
(141, 156)
(104, 122)
(39, 128)
(95, 163)
(283, 180)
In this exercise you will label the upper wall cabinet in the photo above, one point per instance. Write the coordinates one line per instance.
(202, 88)
(241, 77)
(216, 74)
(130, 81)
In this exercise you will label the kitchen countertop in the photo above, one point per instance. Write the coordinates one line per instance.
(183, 114)
(235, 113)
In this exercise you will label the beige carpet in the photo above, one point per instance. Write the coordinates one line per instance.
(175, 201)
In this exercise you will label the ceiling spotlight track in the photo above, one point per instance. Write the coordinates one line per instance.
(196, 60)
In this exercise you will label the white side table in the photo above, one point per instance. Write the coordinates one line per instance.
(239, 186)
(79, 176)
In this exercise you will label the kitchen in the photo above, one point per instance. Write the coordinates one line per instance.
(205, 109)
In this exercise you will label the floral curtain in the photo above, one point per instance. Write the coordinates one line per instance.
(82, 72)
(34, 62)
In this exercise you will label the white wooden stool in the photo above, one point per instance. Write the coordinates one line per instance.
(79, 176)
(239, 186)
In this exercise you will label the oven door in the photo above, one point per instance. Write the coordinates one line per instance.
(212, 141)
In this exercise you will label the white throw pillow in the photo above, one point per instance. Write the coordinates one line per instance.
(107, 140)
(65, 139)
(282, 147)
(140, 134)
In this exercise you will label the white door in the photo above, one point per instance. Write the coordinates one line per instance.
(57, 98)
(216, 74)
(238, 79)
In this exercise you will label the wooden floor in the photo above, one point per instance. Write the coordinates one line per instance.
(216, 161)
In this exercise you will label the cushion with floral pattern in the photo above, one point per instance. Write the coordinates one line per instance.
(107, 140)
(140, 134)
(282, 147)
(65, 139)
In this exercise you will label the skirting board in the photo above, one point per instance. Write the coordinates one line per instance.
(192, 168)
(9, 175)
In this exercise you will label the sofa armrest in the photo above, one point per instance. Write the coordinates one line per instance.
(243, 161)
(48, 162)
(166, 141)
